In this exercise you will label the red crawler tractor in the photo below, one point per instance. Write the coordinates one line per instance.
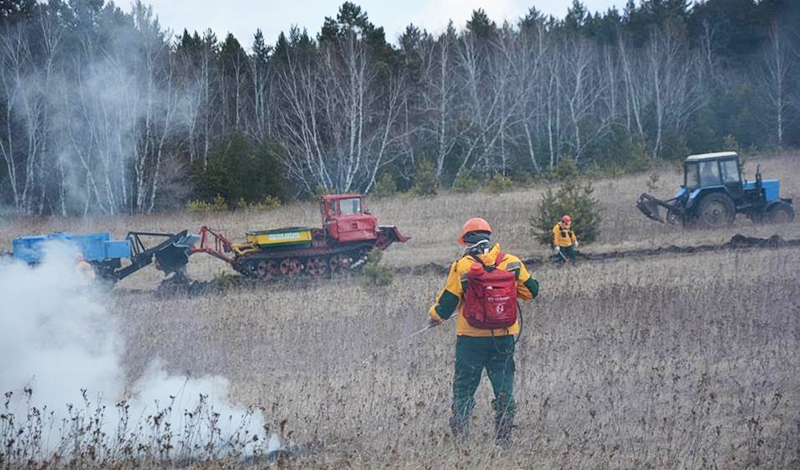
(348, 233)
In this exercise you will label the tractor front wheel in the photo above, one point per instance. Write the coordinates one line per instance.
(716, 211)
(674, 217)
(780, 213)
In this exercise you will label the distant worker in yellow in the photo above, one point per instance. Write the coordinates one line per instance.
(83, 268)
(482, 290)
(564, 240)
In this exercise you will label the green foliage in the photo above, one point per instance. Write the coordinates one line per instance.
(385, 186)
(425, 181)
(322, 191)
(729, 144)
(465, 183)
(638, 160)
(218, 204)
(675, 147)
(575, 199)
(566, 169)
(238, 170)
(500, 184)
(524, 179)
(376, 274)
(267, 204)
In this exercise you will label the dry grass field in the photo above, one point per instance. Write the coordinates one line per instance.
(686, 361)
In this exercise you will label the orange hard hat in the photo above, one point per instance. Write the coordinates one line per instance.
(475, 224)
(567, 220)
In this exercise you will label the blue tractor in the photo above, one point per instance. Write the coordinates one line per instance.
(713, 192)
(169, 251)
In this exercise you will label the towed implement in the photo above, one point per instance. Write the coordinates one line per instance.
(169, 251)
(714, 192)
(348, 233)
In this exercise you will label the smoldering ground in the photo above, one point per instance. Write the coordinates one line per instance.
(64, 378)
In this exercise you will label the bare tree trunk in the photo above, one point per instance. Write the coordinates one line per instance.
(633, 84)
(15, 58)
(775, 79)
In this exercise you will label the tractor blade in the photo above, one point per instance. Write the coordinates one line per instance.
(648, 205)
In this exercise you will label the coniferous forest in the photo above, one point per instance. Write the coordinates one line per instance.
(103, 110)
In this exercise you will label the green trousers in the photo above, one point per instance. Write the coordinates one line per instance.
(496, 355)
(568, 252)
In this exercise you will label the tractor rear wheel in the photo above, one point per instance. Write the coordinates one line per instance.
(780, 213)
(716, 211)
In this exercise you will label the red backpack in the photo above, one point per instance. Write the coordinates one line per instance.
(491, 298)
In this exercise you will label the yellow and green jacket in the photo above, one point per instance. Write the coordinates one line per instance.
(563, 236)
(451, 300)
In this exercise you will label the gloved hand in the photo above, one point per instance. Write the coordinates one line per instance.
(557, 250)
(432, 322)
(575, 244)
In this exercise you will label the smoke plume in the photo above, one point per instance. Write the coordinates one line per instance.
(61, 348)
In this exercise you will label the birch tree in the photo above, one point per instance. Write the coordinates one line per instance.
(774, 81)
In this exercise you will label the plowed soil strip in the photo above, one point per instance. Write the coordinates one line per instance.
(737, 242)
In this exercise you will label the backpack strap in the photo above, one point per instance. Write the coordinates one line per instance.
(497, 261)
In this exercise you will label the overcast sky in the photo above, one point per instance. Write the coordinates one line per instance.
(242, 17)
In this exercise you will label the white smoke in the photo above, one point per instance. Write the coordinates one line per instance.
(57, 339)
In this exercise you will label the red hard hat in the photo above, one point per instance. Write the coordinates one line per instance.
(567, 220)
(475, 224)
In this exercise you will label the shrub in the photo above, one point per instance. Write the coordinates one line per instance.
(465, 183)
(652, 181)
(500, 184)
(639, 159)
(566, 169)
(524, 179)
(675, 146)
(425, 181)
(271, 202)
(385, 186)
(322, 191)
(218, 204)
(730, 145)
(575, 199)
(376, 274)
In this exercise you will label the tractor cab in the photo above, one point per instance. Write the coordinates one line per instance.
(712, 170)
(346, 219)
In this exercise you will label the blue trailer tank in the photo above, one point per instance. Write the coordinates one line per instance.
(93, 246)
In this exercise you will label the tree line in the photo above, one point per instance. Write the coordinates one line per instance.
(105, 111)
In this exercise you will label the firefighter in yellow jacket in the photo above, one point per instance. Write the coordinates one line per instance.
(564, 240)
(83, 268)
(476, 348)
